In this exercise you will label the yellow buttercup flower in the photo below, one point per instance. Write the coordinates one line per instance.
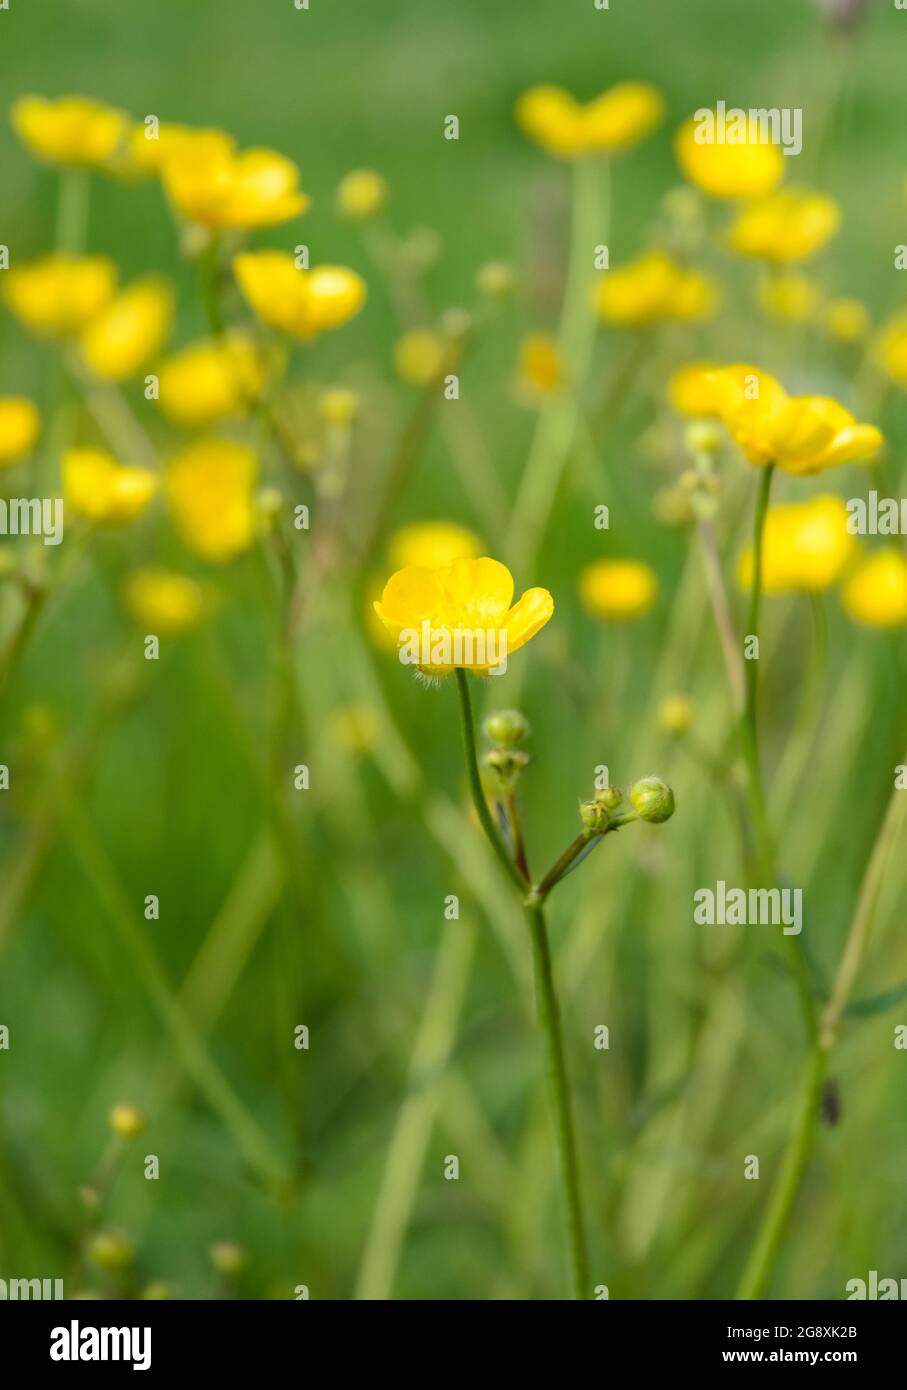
(846, 320)
(210, 380)
(541, 372)
(875, 594)
(148, 148)
(692, 390)
(724, 169)
(69, 130)
(421, 356)
(609, 124)
(210, 489)
(790, 296)
(618, 590)
(299, 302)
(97, 488)
(20, 424)
(130, 330)
(362, 193)
(801, 434)
(163, 602)
(460, 615)
(431, 544)
(212, 183)
(654, 289)
(59, 295)
(805, 546)
(788, 225)
(891, 350)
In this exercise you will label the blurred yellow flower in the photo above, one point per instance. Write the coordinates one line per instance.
(59, 295)
(608, 124)
(788, 225)
(212, 183)
(420, 356)
(876, 592)
(210, 489)
(148, 147)
(464, 610)
(790, 296)
(801, 434)
(618, 590)
(496, 280)
(846, 320)
(163, 602)
(675, 714)
(891, 350)
(338, 406)
(97, 488)
(20, 424)
(726, 170)
(209, 380)
(654, 288)
(541, 371)
(431, 545)
(692, 389)
(69, 130)
(361, 194)
(294, 301)
(355, 728)
(805, 547)
(130, 329)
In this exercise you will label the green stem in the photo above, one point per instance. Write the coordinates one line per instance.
(476, 788)
(774, 1223)
(72, 211)
(549, 1017)
(209, 278)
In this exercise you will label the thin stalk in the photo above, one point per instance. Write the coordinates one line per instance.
(72, 211)
(550, 1019)
(750, 719)
(475, 785)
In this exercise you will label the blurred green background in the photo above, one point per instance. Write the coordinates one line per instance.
(126, 784)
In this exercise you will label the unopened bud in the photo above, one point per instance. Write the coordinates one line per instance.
(227, 1257)
(703, 437)
(506, 727)
(127, 1121)
(675, 714)
(609, 797)
(110, 1250)
(652, 799)
(595, 816)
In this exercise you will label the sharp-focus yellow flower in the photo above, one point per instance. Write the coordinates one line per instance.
(654, 289)
(723, 169)
(891, 350)
(790, 296)
(801, 434)
(163, 602)
(19, 427)
(692, 390)
(541, 372)
(460, 615)
(805, 546)
(846, 320)
(609, 124)
(431, 544)
(210, 488)
(59, 295)
(788, 225)
(69, 130)
(212, 183)
(362, 193)
(210, 380)
(298, 302)
(421, 356)
(98, 489)
(130, 330)
(876, 592)
(619, 590)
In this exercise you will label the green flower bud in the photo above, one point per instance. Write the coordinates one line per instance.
(505, 727)
(227, 1257)
(652, 799)
(609, 797)
(110, 1251)
(595, 816)
(703, 437)
(501, 768)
